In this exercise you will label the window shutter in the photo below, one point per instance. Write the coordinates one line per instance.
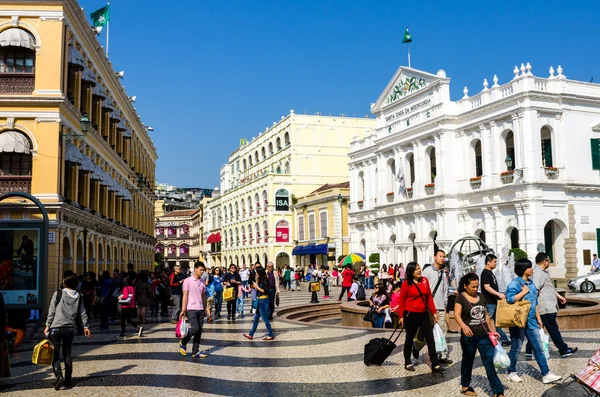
(595, 153)
(597, 240)
(548, 152)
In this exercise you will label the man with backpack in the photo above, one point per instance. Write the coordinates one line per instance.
(66, 308)
(438, 281)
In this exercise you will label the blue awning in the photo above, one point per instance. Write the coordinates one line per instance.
(319, 249)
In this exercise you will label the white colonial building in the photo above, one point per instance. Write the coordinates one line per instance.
(515, 164)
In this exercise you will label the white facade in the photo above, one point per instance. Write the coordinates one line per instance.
(454, 159)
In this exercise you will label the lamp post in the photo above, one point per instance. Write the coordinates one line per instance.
(509, 163)
(85, 123)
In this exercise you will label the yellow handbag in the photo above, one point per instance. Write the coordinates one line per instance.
(514, 315)
(43, 353)
(228, 294)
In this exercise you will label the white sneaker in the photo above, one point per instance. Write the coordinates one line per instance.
(514, 377)
(551, 378)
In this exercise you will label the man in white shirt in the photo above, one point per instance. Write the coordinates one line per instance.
(244, 274)
(438, 282)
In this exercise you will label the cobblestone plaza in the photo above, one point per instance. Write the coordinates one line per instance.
(303, 360)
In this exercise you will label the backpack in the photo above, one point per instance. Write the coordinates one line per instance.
(78, 319)
(360, 294)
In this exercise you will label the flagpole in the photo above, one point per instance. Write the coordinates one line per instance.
(108, 31)
(408, 54)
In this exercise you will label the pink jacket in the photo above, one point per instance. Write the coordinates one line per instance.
(126, 292)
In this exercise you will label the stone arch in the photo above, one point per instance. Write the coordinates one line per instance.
(547, 150)
(390, 175)
(512, 237)
(282, 259)
(555, 235)
(362, 247)
(415, 255)
(480, 234)
(331, 137)
(27, 28)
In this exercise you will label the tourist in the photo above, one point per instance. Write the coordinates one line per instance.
(401, 273)
(470, 312)
(395, 303)
(113, 301)
(378, 302)
(287, 280)
(63, 314)
(217, 287)
(87, 293)
(596, 264)
(244, 275)
(232, 280)
(324, 276)
(489, 290)
(175, 282)
(347, 277)
(261, 285)
(391, 274)
(353, 289)
(548, 300)
(438, 281)
(519, 288)
(293, 279)
(251, 281)
(383, 275)
(127, 302)
(194, 308)
(361, 274)
(367, 277)
(240, 300)
(104, 295)
(143, 296)
(154, 284)
(273, 288)
(335, 276)
(415, 311)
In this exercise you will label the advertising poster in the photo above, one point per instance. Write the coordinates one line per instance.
(282, 232)
(19, 266)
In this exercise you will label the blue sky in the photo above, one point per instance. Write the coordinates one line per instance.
(207, 73)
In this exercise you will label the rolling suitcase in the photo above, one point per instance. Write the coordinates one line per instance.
(379, 349)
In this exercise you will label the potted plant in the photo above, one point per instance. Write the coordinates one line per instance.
(409, 192)
(551, 172)
(430, 188)
(507, 176)
(360, 203)
(390, 196)
(475, 182)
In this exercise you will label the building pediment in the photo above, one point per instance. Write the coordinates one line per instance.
(404, 84)
(596, 128)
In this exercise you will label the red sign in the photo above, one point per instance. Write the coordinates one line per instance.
(282, 235)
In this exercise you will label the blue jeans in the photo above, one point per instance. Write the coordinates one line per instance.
(218, 302)
(491, 308)
(245, 285)
(533, 336)
(470, 345)
(370, 284)
(262, 312)
(378, 319)
(549, 321)
(176, 307)
(240, 305)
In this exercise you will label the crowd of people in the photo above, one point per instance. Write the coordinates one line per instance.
(414, 298)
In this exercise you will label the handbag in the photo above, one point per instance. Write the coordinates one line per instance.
(487, 330)
(228, 294)
(369, 316)
(43, 353)
(277, 300)
(514, 315)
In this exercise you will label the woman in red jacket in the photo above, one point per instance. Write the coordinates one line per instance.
(415, 309)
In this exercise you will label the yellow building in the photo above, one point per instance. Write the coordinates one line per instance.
(95, 179)
(321, 226)
(263, 176)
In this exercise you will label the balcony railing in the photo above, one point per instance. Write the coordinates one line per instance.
(184, 235)
(17, 83)
(15, 184)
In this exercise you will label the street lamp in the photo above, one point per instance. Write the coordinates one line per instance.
(85, 123)
(509, 162)
(340, 198)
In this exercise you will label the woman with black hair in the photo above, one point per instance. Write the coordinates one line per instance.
(379, 302)
(127, 302)
(471, 315)
(417, 312)
(520, 288)
(261, 285)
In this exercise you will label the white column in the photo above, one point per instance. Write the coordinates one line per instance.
(439, 162)
(337, 227)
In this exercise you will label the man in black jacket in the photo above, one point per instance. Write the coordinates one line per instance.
(233, 280)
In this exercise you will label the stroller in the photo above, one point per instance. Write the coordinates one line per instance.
(589, 377)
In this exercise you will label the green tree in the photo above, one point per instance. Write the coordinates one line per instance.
(374, 258)
(519, 253)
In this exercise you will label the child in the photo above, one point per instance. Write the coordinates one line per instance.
(240, 299)
(395, 303)
(335, 275)
(353, 289)
(210, 300)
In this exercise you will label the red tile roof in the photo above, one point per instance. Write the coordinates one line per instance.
(180, 213)
(328, 186)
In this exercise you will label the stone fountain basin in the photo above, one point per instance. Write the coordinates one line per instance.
(579, 314)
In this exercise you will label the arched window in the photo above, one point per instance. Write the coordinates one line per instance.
(244, 165)
(243, 208)
(278, 170)
(410, 162)
(250, 161)
(256, 157)
(257, 231)
(286, 169)
(546, 137)
(243, 235)
(237, 237)
(263, 153)
(270, 148)
(17, 61)
(237, 211)
(432, 167)
(477, 157)
(286, 139)
(391, 176)
(257, 202)
(225, 238)
(265, 200)
(509, 142)
(278, 142)
(265, 231)
(230, 213)
(361, 186)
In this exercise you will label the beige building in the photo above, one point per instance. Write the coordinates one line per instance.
(321, 225)
(264, 176)
(211, 233)
(178, 237)
(70, 136)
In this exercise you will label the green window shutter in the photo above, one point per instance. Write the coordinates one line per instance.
(597, 241)
(548, 239)
(548, 152)
(595, 142)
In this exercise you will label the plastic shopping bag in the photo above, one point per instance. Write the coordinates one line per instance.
(388, 318)
(501, 359)
(440, 341)
(182, 328)
(545, 339)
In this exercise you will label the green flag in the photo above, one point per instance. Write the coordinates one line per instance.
(101, 17)
(406, 38)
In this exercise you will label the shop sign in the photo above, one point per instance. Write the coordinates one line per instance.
(282, 200)
(282, 232)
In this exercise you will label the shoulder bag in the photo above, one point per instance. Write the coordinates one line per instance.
(512, 315)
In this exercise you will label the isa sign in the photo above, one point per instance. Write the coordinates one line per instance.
(282, 200)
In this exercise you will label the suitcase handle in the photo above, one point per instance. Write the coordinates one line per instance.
(397, 336)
